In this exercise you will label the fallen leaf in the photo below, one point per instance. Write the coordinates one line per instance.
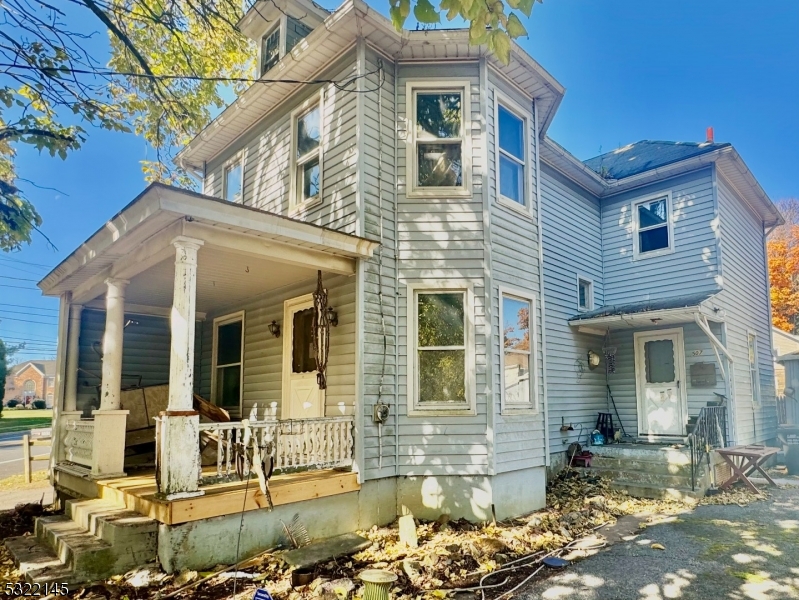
(657, 547)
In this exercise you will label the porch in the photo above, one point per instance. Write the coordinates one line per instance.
(185, 314)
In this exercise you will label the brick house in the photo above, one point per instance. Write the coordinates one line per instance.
(31, 380)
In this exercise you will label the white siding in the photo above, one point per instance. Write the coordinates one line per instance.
(514, 239)
(745, 300)
(691, 268)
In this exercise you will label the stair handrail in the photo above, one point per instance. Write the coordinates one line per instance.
(709, 433)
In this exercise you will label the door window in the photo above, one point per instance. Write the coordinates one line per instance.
(659, 361)
(302, 356)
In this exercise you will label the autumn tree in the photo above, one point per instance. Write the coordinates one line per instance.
(783, 261)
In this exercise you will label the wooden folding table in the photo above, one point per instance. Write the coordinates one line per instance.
(745, 460)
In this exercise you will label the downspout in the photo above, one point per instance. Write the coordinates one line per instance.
(544, 398)
(396, 283)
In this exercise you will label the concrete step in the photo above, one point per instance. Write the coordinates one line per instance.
(660, 467)
(114, 523)
(645, 452)
(643, 476)
(642, 490)
(30, 554)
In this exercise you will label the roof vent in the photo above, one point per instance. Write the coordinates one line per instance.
(709, 135)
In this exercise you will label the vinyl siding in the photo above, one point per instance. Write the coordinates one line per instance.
(266, 150)
(442, 239)
(379, 335)
(746, 303)
(514, 239)
(572, 246)
(691, 268)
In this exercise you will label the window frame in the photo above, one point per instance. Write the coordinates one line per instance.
(219, 321)
(754, 368)
(296, 204)
(513, 107)
(532, 407)
(229, 165)
(636, 229)
(414, 408)
(443, 85)
(589, 297)
(280, 27)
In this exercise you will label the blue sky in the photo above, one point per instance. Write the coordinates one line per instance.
(632, 70)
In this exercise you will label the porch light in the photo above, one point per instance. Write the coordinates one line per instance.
(593, 359)
(274, 329)
(332, 316)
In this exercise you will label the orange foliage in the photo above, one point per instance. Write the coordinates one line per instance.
(783, 263)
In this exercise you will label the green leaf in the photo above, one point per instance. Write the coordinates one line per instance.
(515, 27)
(453, 8)
(500, 44)
(478, 34)
(396, 18)
(526, 6)
(425, 12)
(513, 4)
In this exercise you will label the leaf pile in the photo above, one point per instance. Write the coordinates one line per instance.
(737, 495)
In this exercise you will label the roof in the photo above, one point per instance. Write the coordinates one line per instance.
(646, 155)
(45, 367)
(355, 20)
(687, 301)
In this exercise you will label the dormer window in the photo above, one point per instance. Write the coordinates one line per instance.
(280, 40)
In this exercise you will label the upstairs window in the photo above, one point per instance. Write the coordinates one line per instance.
(437, 141)
(652, 221)
(233, 182)
(270, 50)
(306, 156)
(585, 294)
(511, 156)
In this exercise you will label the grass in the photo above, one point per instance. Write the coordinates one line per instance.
(12, 421)
(17, 482)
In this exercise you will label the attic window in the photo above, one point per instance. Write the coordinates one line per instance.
(280, 40)
(653, 230)
(270, 50)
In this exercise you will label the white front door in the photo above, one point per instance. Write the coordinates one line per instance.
(660, 383)
(302, 398)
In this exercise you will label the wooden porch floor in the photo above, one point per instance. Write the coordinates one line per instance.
(137, 492)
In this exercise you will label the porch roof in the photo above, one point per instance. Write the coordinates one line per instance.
(140, 237)
(646, 313)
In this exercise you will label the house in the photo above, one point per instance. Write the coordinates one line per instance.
(396, 276)
(31, 380)
(784, 343)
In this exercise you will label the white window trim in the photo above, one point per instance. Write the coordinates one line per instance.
(282, 24)
(229, 164)
(514, 107)
(438, 85)
(295, 205)
(505, 407)
(224, 320)
(469, 408)
(637, 254)
(590, 297)
(757, 398)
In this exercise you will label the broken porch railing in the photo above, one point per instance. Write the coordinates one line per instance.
(709, 433)
(295, 444)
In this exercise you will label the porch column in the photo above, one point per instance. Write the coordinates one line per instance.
(71, 374)
(108, 451)
(179, 435)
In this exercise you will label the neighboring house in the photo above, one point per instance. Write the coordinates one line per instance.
(400, 274)
(32, 380)
(784, 343)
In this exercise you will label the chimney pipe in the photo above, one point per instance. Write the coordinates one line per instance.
(709, 135)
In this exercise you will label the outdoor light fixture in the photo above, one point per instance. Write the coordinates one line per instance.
(332, 316)
(274, 329)
(593, 359)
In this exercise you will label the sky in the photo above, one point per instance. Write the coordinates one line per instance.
(632, 69)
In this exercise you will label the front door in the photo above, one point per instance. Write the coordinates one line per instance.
(302, 398)
(660, 383)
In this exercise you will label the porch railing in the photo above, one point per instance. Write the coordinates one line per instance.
(78, 440)
(321, 443)
(710, 431)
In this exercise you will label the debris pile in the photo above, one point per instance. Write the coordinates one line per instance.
(738, 495)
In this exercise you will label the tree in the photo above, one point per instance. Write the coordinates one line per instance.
(783, 262)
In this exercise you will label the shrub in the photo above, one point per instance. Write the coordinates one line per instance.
(39, 404)
(12, 403)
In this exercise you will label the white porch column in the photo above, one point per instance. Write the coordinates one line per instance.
(108, 453)
(179, 433)
(71, 374)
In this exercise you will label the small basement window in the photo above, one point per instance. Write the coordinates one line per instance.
(585, 294)
(652, 219)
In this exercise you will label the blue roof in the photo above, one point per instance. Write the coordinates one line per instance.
(645, 156)
(631, 308)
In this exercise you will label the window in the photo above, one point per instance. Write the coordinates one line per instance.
(440, 354)
(754, 371)
(228, 359)
(29, 386)
(306, 156)
(518, 383)
(652, 218)
(437, 141)
(270, 50)
(233, 182)
(585, 293)
(511, 156)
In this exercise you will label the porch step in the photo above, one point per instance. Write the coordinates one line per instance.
(655, 492)
(38, 562)
(643, 476)
(650, 466)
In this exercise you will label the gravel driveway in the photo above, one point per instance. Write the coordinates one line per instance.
(714, 552)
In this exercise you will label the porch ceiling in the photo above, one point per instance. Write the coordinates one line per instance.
(136, 244)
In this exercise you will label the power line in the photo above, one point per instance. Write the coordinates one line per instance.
(25, 306)
(18, 278)
(22, 262)
(2, 335)
(26, 321)
(21, 287)
(22, 312)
